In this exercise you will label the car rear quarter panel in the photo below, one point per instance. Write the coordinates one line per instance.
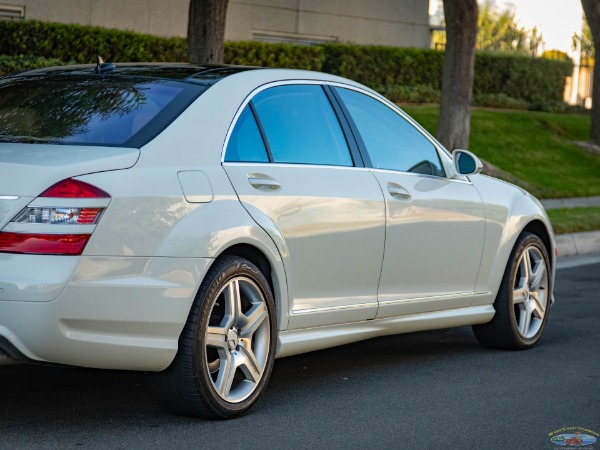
(508, 210)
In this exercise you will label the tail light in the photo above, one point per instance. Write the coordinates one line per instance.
(59, 222)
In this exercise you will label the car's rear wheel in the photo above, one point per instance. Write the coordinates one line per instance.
(227, 347)
(523, 299)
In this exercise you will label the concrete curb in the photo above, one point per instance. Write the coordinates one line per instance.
(578, 202)
(575, 244)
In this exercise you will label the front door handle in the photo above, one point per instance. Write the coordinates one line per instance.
(398, 192)
(259, 180)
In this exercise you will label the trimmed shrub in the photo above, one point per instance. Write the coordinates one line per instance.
(499, 101)
(378, 67)
(82, 44)
(402, 74)
(521, 77)
(249, 53)
(12, 64)
(412, 94)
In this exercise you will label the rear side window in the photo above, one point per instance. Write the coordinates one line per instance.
(246, 143)
(391, 141)
(90, 110)
(301, 127)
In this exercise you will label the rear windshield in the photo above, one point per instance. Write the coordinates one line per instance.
(94, 110)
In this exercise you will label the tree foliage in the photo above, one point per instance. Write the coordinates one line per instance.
(499, 31)
(584, 41)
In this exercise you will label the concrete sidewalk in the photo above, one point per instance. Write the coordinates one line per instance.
(577, 202)
(573, 244)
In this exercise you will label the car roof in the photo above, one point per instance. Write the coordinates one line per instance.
(206, 74)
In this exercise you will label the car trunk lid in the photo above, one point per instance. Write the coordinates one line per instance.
(27, 170)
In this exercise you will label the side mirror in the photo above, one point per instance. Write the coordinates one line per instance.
(466, 163)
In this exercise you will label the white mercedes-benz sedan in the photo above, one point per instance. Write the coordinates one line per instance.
(197, 222)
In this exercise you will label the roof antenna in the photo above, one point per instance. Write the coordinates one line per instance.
(102, 67)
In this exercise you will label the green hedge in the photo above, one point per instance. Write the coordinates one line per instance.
(250, 53)
(521, 77)
(81, 44)
(12, 64)
(382, 68)
(379, 67)
(404, 74)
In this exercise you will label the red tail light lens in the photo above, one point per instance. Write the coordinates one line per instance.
(71, 188)
(52, 208)
(47, 244)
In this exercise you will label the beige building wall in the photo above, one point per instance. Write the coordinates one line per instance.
(403, 23)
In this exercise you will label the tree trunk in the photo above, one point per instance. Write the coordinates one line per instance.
(592, 14)
(454, 124)
(206, 31)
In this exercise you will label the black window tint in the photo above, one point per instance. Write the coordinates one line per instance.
(392, 142)
(91, 110)
(246, 143)
(301, 126)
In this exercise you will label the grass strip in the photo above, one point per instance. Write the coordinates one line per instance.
(535, 147)
(573, 220)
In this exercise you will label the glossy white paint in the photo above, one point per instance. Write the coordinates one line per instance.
(10, 206)
(434, 240)
(28, 170)
(175, 207)
(41, 278)
(332, 221)
(307, 340)
(509, 209)
(115, 312)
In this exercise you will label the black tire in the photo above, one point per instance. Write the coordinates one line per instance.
(508, 329)
(189, 385)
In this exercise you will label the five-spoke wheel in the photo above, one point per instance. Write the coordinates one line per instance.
(523, 298)
(227, 347)
(530, 293)
(237, 339)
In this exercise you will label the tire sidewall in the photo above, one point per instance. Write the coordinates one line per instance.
(527, 240)
(236, 268)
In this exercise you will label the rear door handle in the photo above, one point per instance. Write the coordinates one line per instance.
(398, 192)
(262, 181)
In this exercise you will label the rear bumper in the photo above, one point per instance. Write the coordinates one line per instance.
(112, 313)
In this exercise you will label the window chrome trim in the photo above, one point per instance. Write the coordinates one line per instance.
(422, 175)
(292, 165)
(433, 297)
(334, 308)
(444, 155)
(257, 91)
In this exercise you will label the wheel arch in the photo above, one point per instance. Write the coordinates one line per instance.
(538, 228)
(273, 271)
(255, 256)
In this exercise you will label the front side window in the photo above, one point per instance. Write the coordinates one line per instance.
(301, 127)
(391, 142)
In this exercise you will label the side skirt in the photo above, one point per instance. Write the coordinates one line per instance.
(305, 340)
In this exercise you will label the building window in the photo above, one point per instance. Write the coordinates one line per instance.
(12, 11)
(291, 38)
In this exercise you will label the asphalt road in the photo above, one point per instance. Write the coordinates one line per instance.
(423, 390)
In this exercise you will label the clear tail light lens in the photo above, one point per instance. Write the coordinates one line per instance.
(61, 216)
(18, 238)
